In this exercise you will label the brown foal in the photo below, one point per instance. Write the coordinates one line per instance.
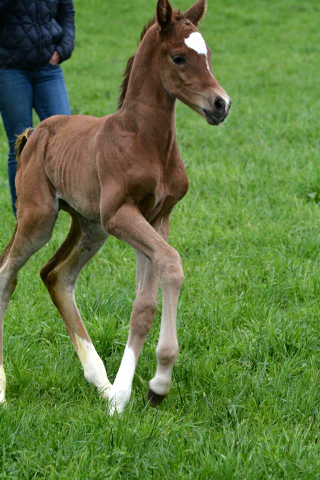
(118, 175)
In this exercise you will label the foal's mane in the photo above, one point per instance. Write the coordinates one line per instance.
(127, 72)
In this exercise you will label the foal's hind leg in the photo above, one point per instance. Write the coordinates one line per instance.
(60, 275)
(3, 305)
(33, 230)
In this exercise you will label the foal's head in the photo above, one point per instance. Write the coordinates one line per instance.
(184, 62)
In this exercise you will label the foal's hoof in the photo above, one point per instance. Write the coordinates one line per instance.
(154, 398)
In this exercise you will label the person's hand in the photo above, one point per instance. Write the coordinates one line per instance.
(56, 58)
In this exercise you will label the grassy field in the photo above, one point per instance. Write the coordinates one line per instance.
(245, 398)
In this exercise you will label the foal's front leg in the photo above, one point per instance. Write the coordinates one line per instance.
(141, 320)
(128, 224)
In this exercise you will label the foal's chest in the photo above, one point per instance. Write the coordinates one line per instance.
(171, 187)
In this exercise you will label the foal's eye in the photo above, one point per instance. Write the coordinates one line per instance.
(179, 60)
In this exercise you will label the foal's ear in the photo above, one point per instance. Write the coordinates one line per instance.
(164, 14)
(196, 12)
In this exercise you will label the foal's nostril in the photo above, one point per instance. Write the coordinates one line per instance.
(219, 105)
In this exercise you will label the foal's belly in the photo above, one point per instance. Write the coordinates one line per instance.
(79, 190)
(84, 207)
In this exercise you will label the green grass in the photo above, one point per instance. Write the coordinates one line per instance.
(245, 397)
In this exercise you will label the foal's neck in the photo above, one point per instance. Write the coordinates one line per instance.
(148, 109)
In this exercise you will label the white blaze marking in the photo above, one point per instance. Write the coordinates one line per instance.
(120, 391)
(92, 364)
(2, 385)
(197, 43)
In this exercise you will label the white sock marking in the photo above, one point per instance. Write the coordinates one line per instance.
(197, 43)
(94, 370)
(2, 385)
(161, 384)
(120, 391)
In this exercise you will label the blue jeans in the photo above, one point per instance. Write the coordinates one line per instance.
(21, 90)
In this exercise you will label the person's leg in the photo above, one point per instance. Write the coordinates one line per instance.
(50, 93)
(16, 99)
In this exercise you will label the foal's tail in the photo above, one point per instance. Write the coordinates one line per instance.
(22, 140)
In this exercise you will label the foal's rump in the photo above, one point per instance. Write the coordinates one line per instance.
(59, 157)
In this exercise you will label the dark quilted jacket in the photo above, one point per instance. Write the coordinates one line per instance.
(30, 31)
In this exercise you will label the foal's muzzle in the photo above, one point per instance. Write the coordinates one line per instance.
(219, 111)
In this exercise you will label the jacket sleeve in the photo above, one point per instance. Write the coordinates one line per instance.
(65, 18)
